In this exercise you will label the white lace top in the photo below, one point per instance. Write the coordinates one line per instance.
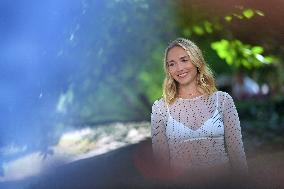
(198, 132)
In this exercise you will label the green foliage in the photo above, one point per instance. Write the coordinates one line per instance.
(201, 28)
(248, 13)
(120, 46)
(241, 13)
(238, 54)
(152, 75)
(121, 54)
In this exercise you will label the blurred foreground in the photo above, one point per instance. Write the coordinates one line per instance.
(103, 158)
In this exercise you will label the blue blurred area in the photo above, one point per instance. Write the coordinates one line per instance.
(33, 35)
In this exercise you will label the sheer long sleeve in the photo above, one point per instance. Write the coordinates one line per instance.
(159, 139)
(233, 137)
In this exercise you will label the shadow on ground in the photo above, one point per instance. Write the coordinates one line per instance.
(131, 167)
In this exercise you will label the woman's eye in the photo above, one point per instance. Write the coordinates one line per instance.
(184, 60)
(171, 64)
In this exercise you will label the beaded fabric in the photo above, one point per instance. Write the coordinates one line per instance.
(198, 133)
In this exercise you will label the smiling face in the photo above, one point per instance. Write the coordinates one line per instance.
(180, 66)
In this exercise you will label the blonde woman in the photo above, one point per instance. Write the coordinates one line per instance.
(195, 128)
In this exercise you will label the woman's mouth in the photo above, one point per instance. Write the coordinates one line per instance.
(183, 74)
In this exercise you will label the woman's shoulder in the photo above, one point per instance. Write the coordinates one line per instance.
(223, 94)
(159, 104)
(225, 97)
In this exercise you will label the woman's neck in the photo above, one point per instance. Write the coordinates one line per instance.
(188, 90)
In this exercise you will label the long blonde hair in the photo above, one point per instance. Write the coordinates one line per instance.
(205, 77)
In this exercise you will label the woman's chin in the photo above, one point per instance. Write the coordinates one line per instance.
(184, 81)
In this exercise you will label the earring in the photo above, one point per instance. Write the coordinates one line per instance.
(202, 80)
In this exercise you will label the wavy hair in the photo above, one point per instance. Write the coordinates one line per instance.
(205, 76)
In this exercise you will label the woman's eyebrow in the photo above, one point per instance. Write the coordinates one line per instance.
(186, 56)
(170, 61)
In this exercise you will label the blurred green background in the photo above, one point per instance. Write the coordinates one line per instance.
(79, 77)
(123, 73)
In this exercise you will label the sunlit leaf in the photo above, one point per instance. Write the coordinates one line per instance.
(208, 26)
(260, 13)
(229, 60)
(259, 57)
(228, 18)
(236, 53)
(248, 13)
(247, 52)
(198, 30)
(257, 50)
(268, 59)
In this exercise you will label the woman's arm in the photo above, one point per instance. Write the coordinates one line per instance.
(233, 137)
(159, 139)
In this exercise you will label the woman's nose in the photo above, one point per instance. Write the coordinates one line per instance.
(179, 67)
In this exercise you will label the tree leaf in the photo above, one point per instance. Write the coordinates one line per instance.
(248, 13)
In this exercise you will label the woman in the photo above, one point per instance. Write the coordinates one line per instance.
(195, 128)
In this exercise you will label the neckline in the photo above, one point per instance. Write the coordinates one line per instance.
(194, 98)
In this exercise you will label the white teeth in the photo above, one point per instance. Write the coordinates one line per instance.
(182, 75)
